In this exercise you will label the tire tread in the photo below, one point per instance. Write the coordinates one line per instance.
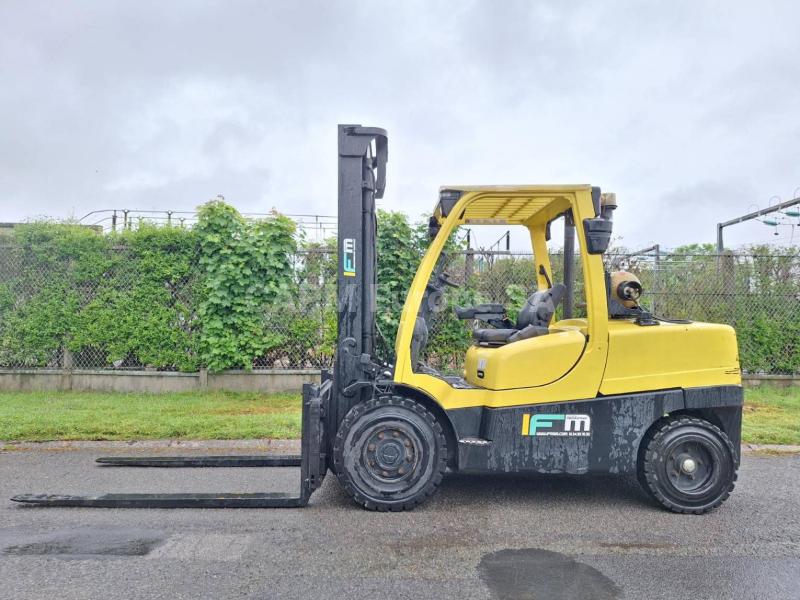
(338, 450)
(649, 479)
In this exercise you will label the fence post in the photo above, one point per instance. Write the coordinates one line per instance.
(67, 364)
(728, 282)
(202, 378)
(657, 278)
(68, 360)
(469, 260)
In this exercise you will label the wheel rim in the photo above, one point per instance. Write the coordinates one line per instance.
(692, 468)
(392, 456)
(390, 453)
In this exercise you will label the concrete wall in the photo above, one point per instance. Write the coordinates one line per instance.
(278, 380)
(155, 381)
(776, 380)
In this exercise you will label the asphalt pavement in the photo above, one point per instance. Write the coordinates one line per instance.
(501, 537)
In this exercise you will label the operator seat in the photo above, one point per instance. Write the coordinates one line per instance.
(533, 319)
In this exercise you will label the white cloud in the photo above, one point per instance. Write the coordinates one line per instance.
(163, 105)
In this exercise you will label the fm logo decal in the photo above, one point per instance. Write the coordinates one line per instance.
(349, 257)
(560, 425)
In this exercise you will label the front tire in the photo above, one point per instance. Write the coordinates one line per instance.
(390, 453)
(688, 466)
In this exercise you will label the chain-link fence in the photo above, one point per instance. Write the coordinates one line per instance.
(759, 295)
(126, 313)
(304, 320)
(81, 312)
(58, 312)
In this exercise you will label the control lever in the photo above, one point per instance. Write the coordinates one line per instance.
(445, 279)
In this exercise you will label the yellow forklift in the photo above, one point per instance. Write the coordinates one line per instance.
(619, 390)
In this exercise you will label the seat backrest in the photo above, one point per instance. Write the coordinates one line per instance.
(540, 307)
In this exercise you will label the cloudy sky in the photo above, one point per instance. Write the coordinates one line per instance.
(688, 110)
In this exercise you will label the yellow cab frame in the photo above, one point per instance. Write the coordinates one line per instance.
(533, 207)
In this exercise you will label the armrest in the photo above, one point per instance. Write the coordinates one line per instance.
(484, 312)
(528, 332)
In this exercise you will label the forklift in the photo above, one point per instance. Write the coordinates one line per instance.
(619, 390)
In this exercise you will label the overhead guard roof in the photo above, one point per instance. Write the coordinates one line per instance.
(509, 204)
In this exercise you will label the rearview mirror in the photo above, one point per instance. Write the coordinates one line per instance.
(598, 234)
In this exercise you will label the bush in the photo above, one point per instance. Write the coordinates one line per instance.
(158, 297)
(245, 267)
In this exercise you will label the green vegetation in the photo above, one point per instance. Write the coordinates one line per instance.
(771, 416)
(401, 246)
(238, 293)
(162, 297)
(41, 416)
(245, 267)
(400, 249)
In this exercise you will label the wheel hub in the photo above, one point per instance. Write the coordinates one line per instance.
(690, 466)
(390, 453)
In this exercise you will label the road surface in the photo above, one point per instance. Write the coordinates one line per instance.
(501, 537)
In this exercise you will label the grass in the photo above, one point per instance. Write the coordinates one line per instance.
(42, 416)
(771, 416)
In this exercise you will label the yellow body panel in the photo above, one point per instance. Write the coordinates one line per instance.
(526, 363)
(669, 355)
(586, 357)
(581, 325)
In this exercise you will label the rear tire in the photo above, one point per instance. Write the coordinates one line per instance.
(688, 466)
(390, 453)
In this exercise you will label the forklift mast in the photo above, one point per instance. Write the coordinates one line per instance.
(362, 180)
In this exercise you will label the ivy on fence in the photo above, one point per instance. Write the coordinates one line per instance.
(234, 293)
(153, 297)
(245, 268)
